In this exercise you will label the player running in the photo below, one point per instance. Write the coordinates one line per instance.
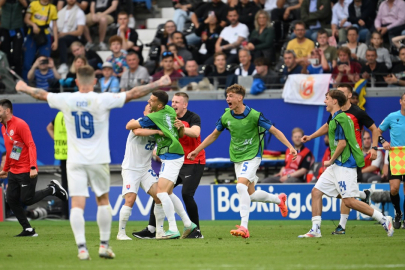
(247, 127)
(87, 121)
(340, 177)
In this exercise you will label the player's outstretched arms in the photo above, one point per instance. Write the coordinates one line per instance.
(36, 93)
(143, 90)
(209, 140)
(147, 132)
(133, 124)
(281, 137)
(322, 131)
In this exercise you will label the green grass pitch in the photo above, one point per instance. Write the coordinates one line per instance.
(273, 245)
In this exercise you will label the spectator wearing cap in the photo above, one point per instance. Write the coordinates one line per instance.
(357, 49)
(397, 76)
(316, 14)
(168, 69)
(340, 20)
(246, 67)
(268, 76)
(291, 65)
(109, 83)
(361, 15)
(135, 75)
(374, 69)
(390, 18)
(301, 45)
(117, 59)
(346, 71)
(42, 72)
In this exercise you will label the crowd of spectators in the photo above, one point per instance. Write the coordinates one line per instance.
(45, 42)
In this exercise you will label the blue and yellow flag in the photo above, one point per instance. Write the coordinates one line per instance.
(360, 88)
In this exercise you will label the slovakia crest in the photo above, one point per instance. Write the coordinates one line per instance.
(128, 186)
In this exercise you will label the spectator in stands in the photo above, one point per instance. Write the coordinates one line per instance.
(346, 71)
(398, 41)
(247, 68)
(109, 83)
(397, 78)
(316, 63)
(135, 75)
(294, 171)
(92, 57)
(183, 12)
(220, 74)
(168, 69)
(168, 30)
(117, 59)
(290, 65)
(42, 72)
(261, 40)
(371, 169)
(247, 11)
(102, 12)
(83, 4)
(340, 20)
(301, 45)
(268, 76)
(179, 40)
(287, 10)
(374, 69)
(232, 37)
(390, 18)
(178, 62)
(357, 49)
(316, 15)
(383, 55)
(129, 35)
(354, 100)
(361, 16)
(71, 22)
(69, 84)
(38, 17)
(329, 51)
(12, 32)
(268, 5)
(209, 32)
(192, 74)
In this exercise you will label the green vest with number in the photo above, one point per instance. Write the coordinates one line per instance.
(164, 120)
(352, 147)
(60, 137)
(246, 135)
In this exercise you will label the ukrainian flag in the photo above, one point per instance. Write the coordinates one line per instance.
(360, 88)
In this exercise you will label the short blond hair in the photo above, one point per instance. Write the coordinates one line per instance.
(297, 129)
(85, 75)
(237, 89)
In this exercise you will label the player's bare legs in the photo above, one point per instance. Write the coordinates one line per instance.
(345, 211)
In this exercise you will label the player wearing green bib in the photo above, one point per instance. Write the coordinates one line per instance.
(247, 127)
(340, 177)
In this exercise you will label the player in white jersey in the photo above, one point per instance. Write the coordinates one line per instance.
(86, 117)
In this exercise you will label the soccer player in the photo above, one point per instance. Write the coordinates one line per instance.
(340, 177)
(171, 153)
(360, 119)
(86, 118)
(395, 122)
(247, 127)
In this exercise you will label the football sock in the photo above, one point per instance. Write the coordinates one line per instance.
(263, 196)
(244, 204)
(316, 223)
(81, 247)
(160, 218)
(104, 219)
(125, 213)
(343, 220)
(104, 243)
(179, 209)
(378, 216)
(362, 195)
(168, 208)
(77, 224)
(396, 200)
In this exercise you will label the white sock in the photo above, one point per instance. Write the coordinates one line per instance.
(378, 216)
(151, 228)
(104, 219)
(343, 220)
(179, 209)
(160, 218)
(125, 213)
(316, 223)
(77, 224)
(168, 208)
(362, 195)
(244, 204)
(263, 196)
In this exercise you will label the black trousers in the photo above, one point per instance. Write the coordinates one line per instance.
(21, 189)
(16, 43)
(190, 176)
(65, 204)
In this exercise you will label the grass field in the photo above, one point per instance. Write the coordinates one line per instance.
(273, 245)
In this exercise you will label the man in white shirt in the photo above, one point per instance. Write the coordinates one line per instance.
(70, 23)
(86, 117)
(340, 16)
(233, 35)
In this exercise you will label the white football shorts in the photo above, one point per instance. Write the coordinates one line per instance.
(247, 169)
(133, 179)
(337, 180)
(170, 169)
(80, 176)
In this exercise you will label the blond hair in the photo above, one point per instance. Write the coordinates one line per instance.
(297, 129)
(262, 12)
(72, 67)
(85, 75)
(237, 89)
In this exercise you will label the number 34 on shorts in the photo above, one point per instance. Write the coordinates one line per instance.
(342, 186)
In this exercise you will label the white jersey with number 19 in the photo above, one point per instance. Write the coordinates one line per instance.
(87, 123)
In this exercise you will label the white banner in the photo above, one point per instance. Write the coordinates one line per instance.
(306, 89)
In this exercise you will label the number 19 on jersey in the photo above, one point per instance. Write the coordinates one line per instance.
(84, 125)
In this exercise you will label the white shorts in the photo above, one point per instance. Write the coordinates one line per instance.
(133, 179)
(170, 169)
(337, 180)
(80, 176)
(247, 169)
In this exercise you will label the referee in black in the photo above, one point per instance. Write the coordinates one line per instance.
(192, 170)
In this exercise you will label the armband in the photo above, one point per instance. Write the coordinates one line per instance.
(381, 139)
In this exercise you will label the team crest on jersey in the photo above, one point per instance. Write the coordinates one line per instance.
(128, 186)
(11, 132)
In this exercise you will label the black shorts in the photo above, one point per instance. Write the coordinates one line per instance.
(359, 175)
(394, 177)
(191, 173)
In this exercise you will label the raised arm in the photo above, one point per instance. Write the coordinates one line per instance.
(36, 93)
(208, 141)
(280, 136)
(133, 124)
(143, 90)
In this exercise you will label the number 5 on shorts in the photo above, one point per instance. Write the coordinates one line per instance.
(244, 169)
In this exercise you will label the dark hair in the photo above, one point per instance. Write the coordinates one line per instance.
(162, 96)
(237, 89)
(6, 104)
(322, 32)
(232, 9)
(167, 54)
(339, 96)
(172, 45)
(355, 94)
(132, 52)
(353, 28)
(122, 12)
(345, 85)
(299, 23)
(372, 49)
(400, 49)
(177, 32)
(182, 94)
(261, 61)
(218, 54)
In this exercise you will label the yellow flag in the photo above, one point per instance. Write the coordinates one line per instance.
(360, 88)
(397, 160)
